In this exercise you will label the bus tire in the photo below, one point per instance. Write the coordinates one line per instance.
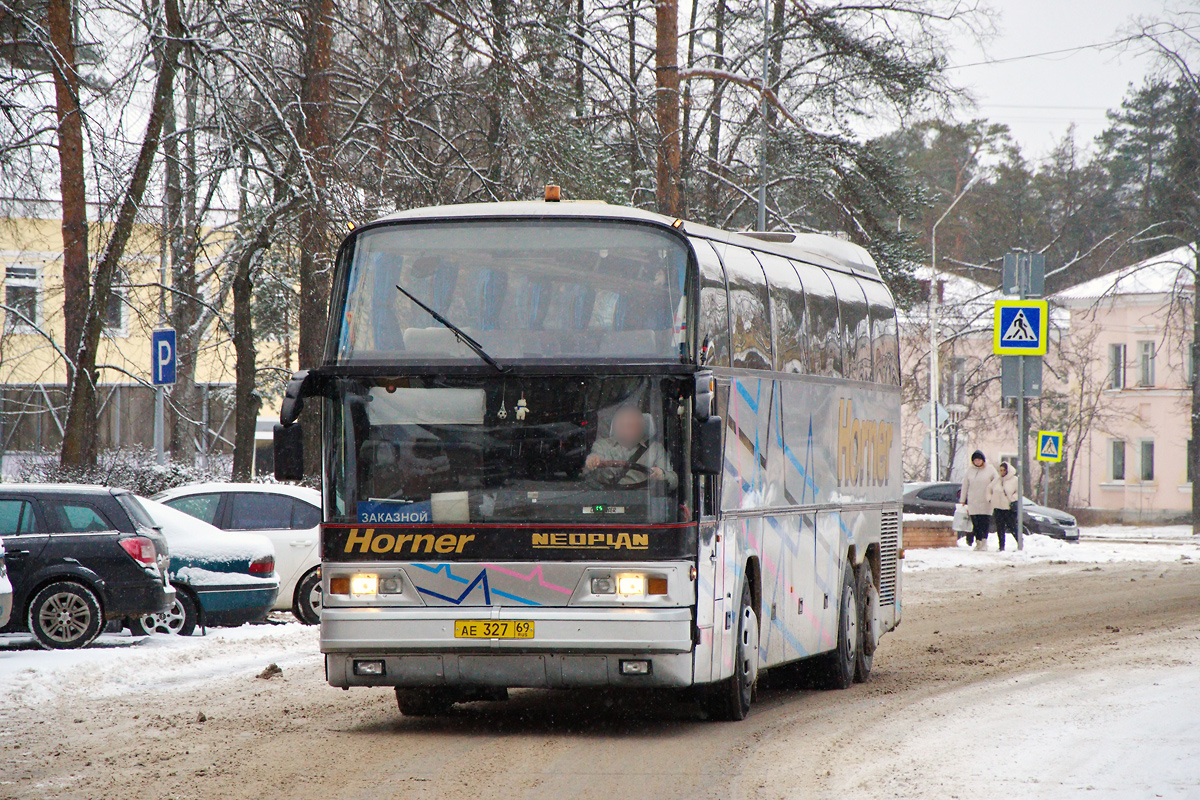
(423, 702)
(836, 670)
(868, 625)
(730, 699)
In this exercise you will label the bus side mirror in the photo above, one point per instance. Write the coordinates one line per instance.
(707, 455)
(705, 391)
(289, 452)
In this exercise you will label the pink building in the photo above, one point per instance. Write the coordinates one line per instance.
(1117, 384)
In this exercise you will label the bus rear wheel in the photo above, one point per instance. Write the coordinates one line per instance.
(730, 699)
(868, 626)
(837, 668)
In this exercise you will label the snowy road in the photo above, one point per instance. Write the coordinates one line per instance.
(1060, 671)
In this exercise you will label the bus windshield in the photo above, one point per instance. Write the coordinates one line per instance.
(529, 289)
(508, 449)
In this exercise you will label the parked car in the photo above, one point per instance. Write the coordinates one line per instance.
(290, 516)
(78, 556)
(5, 590)
(940, 499)
(220, 577)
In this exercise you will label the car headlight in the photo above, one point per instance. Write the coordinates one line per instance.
(1039, 517)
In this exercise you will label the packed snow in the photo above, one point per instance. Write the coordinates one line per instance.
(191, 538)
(121, 664)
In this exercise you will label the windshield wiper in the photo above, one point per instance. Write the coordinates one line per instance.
(475, 346)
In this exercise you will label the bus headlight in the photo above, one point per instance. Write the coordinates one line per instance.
(364, 585)
(631, 584)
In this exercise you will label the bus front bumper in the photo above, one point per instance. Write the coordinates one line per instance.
(572, 647)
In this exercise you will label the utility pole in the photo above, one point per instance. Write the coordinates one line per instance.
(666, 74)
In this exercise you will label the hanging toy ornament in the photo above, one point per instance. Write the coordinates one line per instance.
(522, 408)
(503, 412)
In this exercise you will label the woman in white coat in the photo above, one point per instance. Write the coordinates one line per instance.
(1005, 487)
(976, 494)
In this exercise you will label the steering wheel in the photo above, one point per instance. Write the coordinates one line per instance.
(609, 474)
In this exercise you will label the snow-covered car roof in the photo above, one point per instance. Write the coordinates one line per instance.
(305, 493)
(191, 539)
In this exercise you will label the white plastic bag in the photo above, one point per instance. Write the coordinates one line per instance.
(962, 520)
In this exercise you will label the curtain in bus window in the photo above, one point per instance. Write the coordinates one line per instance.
(714, 304)
(883, 332)
(749, 321)
(787, 314)
(824, 321)
(856, 326)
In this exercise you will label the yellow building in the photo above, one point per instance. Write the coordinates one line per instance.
(33, 372)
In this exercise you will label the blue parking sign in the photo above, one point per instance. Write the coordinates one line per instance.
(162, 357)
(1021, 328)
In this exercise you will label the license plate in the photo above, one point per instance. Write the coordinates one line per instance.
(492, 629)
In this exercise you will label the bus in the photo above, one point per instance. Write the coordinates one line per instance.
(569, 444)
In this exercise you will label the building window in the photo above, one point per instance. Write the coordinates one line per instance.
(954, 387)
(1146, 364)
(21, 295)
(1147, 460)
(1117, 461)
(1116, 358)
(114, 312)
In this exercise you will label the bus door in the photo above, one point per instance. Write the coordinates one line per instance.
(707, 600)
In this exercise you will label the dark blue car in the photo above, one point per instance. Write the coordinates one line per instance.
(220, 577)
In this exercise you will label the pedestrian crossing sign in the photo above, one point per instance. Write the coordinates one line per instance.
(1020, 328)
(1049, 446)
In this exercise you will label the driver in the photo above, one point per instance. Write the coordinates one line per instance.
(629, 444)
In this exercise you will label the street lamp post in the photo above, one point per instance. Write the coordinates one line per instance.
(933, 353)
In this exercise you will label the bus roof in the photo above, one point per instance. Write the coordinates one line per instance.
(813, 248)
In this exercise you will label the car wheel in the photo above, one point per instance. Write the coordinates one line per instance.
(424, 702)
(837, 671)
(306, 605)
(730, 699)
(64, 616)
(180, 618)
(868, 624)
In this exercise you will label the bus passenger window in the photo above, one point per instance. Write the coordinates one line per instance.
(856, 330)
(883, 333)
(749, 316)
(714, 305)
(787, 314)
(824, 321)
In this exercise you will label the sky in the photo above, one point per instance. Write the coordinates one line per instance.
(1038, 98)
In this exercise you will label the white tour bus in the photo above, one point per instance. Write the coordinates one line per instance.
(573, 444)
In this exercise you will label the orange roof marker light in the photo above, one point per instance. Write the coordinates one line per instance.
(553, 193)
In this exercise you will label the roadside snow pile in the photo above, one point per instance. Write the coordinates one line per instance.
(1044, 550)
(1182, 533)
(119, 664)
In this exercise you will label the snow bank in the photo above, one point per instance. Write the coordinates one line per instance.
(194, 539)
(1042, 550)
(120, 664)
(1180, 532)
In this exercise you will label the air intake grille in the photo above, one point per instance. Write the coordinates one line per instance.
(889, 545)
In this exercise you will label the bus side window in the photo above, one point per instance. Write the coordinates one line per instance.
(788, 315)
(749, 314)
(713, 313)
(824, 321)
(856, 326)
(883, 333)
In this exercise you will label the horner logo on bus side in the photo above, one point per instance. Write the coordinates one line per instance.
(366, 540)
(864, 448)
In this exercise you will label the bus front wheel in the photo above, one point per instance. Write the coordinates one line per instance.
(730, 699)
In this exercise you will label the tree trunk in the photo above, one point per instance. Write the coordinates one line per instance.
(714, 131)
(497, 108)
(79, 436)
(1193, 454)
(635, 160)
(314, 227)
(71, 176)
(666, 71)
(247, 401)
